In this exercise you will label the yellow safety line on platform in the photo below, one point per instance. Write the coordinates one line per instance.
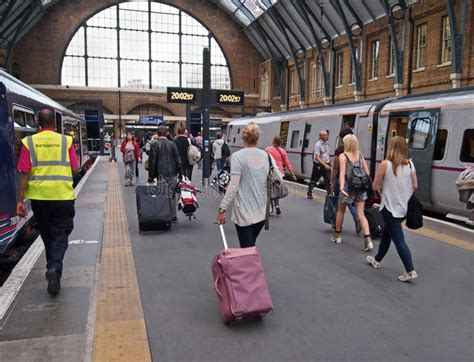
(120, 330)
(463, 244)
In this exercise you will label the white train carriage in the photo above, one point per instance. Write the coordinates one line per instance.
(439, 128)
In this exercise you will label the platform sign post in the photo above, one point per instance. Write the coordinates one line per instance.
(206, 104)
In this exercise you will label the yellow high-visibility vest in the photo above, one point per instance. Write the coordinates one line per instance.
(51, 175)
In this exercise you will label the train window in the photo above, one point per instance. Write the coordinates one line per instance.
(229, 133)
(30, 120)
(440, 145)
(295, 136)
(284, 133)
(420, 130)
(19, 118)
(307, 132)
(467, 147)
(59, 125)
(238, 130)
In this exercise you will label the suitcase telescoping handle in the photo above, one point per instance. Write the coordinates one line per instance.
(224, 240)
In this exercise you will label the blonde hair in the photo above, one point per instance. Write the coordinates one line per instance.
(251, 133)
(277, 140)
(351, 145)
(397, 153)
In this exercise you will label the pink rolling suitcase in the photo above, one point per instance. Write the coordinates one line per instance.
(240, 283)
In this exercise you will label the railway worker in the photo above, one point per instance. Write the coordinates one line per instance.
(352, 164)
(47, 164)
(164, 164)
(335, 179)
(281, 158)
(396, 179)
(321, 164)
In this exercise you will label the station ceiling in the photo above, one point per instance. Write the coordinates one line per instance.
(277, 28)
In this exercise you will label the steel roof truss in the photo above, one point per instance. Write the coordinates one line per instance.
(282, 25)
(317, 41)
(338, 7)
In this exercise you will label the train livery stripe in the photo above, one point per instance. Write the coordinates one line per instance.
(440, 168)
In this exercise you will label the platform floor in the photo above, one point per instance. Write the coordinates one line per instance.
(329, 304)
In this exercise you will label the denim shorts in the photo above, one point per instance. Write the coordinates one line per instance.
(353, 197)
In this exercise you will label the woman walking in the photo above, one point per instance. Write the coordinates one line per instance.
(130, 155)
(350, 161)
(281, 159)
(396, 178)
(248, 186)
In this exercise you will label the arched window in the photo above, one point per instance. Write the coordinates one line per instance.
(142, 44)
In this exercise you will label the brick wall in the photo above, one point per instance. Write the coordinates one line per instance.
(433, 76)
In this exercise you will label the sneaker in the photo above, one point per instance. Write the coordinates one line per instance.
(54, 282)
(174, 220)
(406, 277)
(358, 226)
(368, 245)
(336, 237)
(371, 260)
(271, 213)
(278, 210)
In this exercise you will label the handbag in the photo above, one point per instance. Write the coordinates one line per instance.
(414, 217)
(276, 189)
(330, 209)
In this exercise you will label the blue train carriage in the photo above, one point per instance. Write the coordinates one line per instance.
(19, 107)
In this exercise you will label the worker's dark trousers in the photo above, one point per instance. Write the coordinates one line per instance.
(55, 220)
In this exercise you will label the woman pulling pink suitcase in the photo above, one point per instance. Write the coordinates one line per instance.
(239, 280)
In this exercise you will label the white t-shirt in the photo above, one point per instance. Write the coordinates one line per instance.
(397, 190)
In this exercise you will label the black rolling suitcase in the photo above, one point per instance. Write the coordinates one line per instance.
(154, 207)
(376, 223)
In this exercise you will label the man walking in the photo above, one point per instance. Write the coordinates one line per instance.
(47, 164)
(183, 142)
(164, 164)
(217, 150)
(321, 164)
(199, 142)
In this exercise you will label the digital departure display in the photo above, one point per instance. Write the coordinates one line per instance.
(181, 95)
(229, 98)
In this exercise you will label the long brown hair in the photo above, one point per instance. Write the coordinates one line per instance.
(397, 153)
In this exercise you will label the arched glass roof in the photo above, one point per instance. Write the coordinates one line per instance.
(280, 27)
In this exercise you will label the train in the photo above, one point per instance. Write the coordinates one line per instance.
(438, 126)
(19, 107)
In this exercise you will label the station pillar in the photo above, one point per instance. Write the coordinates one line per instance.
(357, 95)
(456, 80)
(398, 89)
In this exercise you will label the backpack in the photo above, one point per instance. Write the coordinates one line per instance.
(129, 156)
(194, 154)
(225, 151)
(357, 180)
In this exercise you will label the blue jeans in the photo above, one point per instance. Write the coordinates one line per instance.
(220, 162)
(393, 231)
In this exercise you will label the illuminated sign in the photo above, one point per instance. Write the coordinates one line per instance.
(181, 95)
(229, 98)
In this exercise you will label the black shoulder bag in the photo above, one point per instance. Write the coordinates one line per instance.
(414, 218)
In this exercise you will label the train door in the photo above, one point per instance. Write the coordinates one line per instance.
(295, 145)
(421, 131)
(398, 126)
